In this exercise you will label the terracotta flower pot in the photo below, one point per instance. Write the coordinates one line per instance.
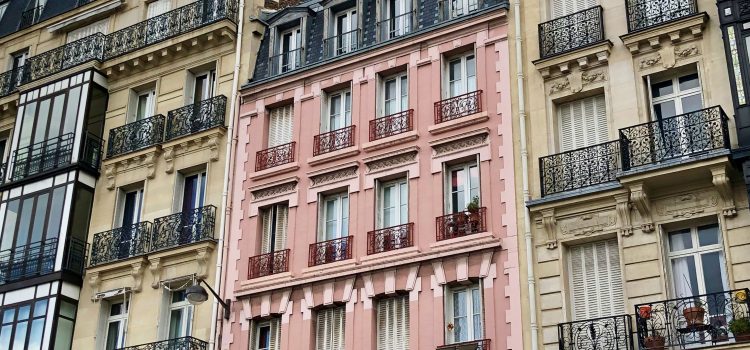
(654, 343)
(694, 315)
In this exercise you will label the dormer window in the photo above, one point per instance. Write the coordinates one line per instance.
(397, 20)
(344, 33)
(288, 50)
(458, 8)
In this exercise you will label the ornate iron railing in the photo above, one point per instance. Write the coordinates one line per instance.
(334, 140)
(342, 43)
(286, 61)
(605, 333)
(571, 32)
(30, 17)
(27, 261)
(268, 264)
(135, 136)
(121, 243)
(184, 343)
(275, 156)
(184, 228)
(75, 260)
(93, 149)
(691, 322)
(390, 238)
(457, 107)
(8, 82)
(483, 344)
(676, 137)
(393, 124)
(403, 24)
(3, 172)
(196, 118)
(67, 56)
(461, 224)
(330, 251)
(42, 156)
(644, 14)
(579, 168)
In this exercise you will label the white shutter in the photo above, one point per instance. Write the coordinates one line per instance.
(596, 280)
(393, 323)
(280, 126)
(282, 218)
(93, 28)
(560, 8)
(329, 333)
(275, 334)
(265, 245)
(158, 7)
(582, 123)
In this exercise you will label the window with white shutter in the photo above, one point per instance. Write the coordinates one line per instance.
(596, 280)
(582, 123)
(158, 7)
(329, 329)
(266, 335)
(280, 126)
(275, 220)
(393, 323)
(562, 8)
(91, 29)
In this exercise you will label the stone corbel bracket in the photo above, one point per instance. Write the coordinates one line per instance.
(147, 160)
(211, 141)
(203, 257)
(724, 186)
(623, 213)
(549, 225)
(155, 266)
(641, 201)
(94, 282)
(136, 271)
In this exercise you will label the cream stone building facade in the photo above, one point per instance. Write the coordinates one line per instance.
(636, 234)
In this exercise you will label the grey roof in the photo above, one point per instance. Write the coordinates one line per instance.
(12, 18)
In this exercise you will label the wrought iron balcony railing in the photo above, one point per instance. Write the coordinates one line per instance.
(42, 156)
(8, 82)
(184, 343)
(483, 344)
(677, 137)
(135, 136)
(397, 26)
(571, 32)
(30, 17)
(75, 260)
(27, 261)
(334, 140)
(457, 107)
(93, 150)
(330, 251)
(121, 243)
(286, 61)
(644, 14)
(461, 224)
(196, 118)
(343, 43)
(692, 322)
(393, 124)
(64, 57)
(268, 264)
(605, 333)
(390, 238)
(580, 168)
(184, 228)
(275, 156)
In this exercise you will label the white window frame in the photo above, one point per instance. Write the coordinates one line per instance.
(458, 8)
(401, 24)
(399, 202)
(466, 84)
(345, 44)
(450, 317)
(274, 331)
(187, 315)
(284, 118)
(295, 43)
(677, 95)
(466, 166)
(341, 215)
(150, 94)
(402, 97)
(122, 318)
(208, 89)
(152, 10)
(119, 218)
(200, 201)
(275, 232)
(345, 112)
(696, 251)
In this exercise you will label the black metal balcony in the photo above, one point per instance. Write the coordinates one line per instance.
(693, 322)
(341, 44)
(571, 32)
(579, 168)
(121, 243)
(679, 137)
(62, 58)
(286, 61)
(75, 260)
(42, 156)
(605, 333)
(30, 17)
(135, 136)
(184, 343)
(196, 118)
(643, 14)
(397, 26)
(183, 228)
(27, 261)
(8, 82)
(92, 151)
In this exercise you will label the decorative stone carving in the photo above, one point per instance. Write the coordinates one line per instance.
(686, 205)
(211, 141)
(155, 266)
(149, 161)
(686, 51)
(640, 200)
(623, 213)
(136, 271)
(650, 61)
(724, 186)
(587, 224)
(110, 172)
(334, 176)
(461, 144)
(667, 54)
(559, 85)
(202, 257)
(169, 159)
(588, 78)
(94, 282)
(274, 190)
(391, 162)
(548, 223)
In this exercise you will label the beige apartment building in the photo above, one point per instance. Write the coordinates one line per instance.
(636, 234)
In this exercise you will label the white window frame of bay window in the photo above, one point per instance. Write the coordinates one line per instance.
(392, 317)
(341, 213)
(450, 335)
(274, 334)
(464, 7)
(577, 119)
(275, 223)
(401, 100)
(466, 83)
(344, 117)
(284, 125)
(587, 284)
(562, 8)
(679, 283)
(400, 203)
(466, 166)
(678, 93)
(325, 339)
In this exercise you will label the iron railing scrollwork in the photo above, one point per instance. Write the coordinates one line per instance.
(461, 224)
(184, 228)
(390, 238)
(275, 156)
(331, 251)
(121, 243)
(67, 56)
(393, 124)
(184, 343)
(400, 25)
(42, 156)
(268, 264)
(27, 261)
(571, 32)
(30, 17)
(690, 322)
(195, 118)
(334, 140)
(604, 333)
(8, 82)
(644, 14)
(286, 61)
(342, 43)
(135, 136)
(482, 344)
(580, 168)
(459, 106)
(684, 135)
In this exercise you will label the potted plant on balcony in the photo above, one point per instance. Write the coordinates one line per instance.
(740, 327)
(473, 209)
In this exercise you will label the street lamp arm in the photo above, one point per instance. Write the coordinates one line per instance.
(225, 304)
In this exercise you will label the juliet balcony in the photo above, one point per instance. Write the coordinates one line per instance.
(458, 107)
(184, 343)
(286, 61)
(571, 32)
(342, 43)
(268, 264)
(612, 333)
(390, 125)
(461, 224)
(644, 14)
(397, 26)
(334, 140)
(331, 251)
(275, 156)
(390, 238)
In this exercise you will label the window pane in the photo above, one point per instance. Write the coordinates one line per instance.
(175, 323)
(9, 315)
(665, 109)
(19, 342)
(708, 235)
(178, 296)
(39, 218)
(5, 336)
(55, 216)
(689, 81)
(35, 338)
(112, 335)
(11, 215)
(64, 335)
(345, 216)
(691, 103)
(680, 240)
(662, 89)
(712, 272)
(264, 333)
(23, 312)
(40, 308)
(684, 276)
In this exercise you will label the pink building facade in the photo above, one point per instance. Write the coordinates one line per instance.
(372, 196)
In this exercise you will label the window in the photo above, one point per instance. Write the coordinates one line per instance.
(50, 117)
(463, 312)
(91, 29)
(117, 323)
(329, 329)
(393, 203)
(22, 326)
(582, 123)
(393, 323)
(18, 60)
(395, 94)
(3, 149)
(144, 103)
(180, 315)
(131, 204)
(398, 18)
(33, 219)
(339, 114)
(275, 219)
(562, 8)
(345, 32)
(203, 87)
(334, 217)
(462, 7)
(191, 202)
(280, 126)
(289, 50)
(158, 7)
(696, 262)
(3, 7)
(595, 280)
(462, 185)
(675, 95)
(462, 75)
(266, 335)
(65, 323)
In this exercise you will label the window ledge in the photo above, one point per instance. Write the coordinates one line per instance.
(390, 141)
(459, 123)
(331, 156)
(462, 242)
(389, 256)
(277, 170)
(329, 268)
(266, 281)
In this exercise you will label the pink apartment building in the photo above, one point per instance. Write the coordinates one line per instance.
(372, 201)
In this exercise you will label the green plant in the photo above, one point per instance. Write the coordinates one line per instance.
(740, 325)
(473, 206)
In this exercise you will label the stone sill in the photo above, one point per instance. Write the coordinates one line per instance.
(335, 155)
(459, 123)
(459, 242)
(390, 141)
(277, 170)
(265, 281)
(328, 268)
(385, 257)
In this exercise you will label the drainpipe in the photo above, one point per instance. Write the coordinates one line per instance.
(525, 179)
(223, 219)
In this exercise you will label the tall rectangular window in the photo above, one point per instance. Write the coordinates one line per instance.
(395, 94)
(464, 314)
(180, 315)
(275, 220)
(462, 75)
(329, 328)
(344, 31)
(266, 335)
(459, 8)
(116, 325)
(596, 280)
(582, 123)
(202, 86)
(393, 203)
(158, 7)
(288, 50)
(339, 111)
(675, 94)
(397, 19)
(65, 322)
(143, 104)
(393, 323)
(280, 126)
(32, 221)
(462, 185)
(22, 325)
(334, 216)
